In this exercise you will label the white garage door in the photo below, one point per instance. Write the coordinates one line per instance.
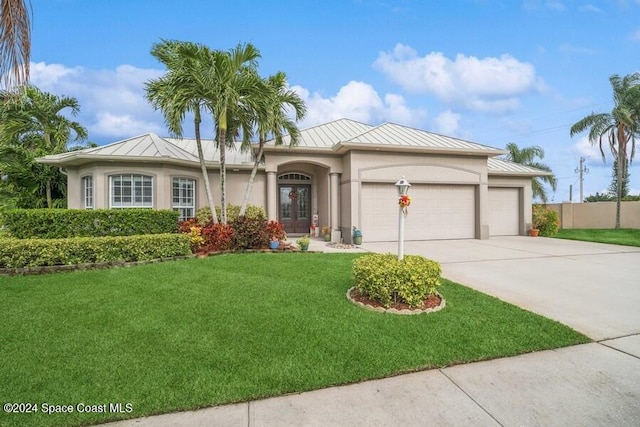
(504, 211)
(436, 212)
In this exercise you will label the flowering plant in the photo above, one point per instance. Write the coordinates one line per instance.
(404, 203)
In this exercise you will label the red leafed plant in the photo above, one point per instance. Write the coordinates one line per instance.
(217, 237)
(275, 230)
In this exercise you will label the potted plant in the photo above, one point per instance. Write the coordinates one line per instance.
(357, 236)
(326, 233)
(303, 243)
(274, 243)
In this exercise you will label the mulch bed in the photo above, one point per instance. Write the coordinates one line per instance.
(432, 301)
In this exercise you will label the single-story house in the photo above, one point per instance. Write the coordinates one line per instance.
(342, 173)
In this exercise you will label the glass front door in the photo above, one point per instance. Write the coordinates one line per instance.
(294, 207)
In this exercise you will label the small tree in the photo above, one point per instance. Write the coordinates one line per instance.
(615, 176)
(619, 128)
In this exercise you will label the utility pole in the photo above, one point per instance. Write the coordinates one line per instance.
(582, 170)
(570, 193)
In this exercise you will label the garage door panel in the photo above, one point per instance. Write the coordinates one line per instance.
(504, 211)
(436, 212)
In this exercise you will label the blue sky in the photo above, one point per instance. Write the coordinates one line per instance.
(488, 71)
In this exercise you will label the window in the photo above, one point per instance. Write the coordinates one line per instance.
(87, 191)
(184, 200)
(131, 191)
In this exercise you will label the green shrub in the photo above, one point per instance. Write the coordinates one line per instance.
(18, 253)
(63, 223)
(233, 211)
(249, 233)
(545, 220)
(385, 279)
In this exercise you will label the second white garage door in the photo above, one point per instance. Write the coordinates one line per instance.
(436, 212)
(504, 212)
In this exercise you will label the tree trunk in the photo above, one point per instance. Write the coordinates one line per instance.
(252, 177)
(622, 160)
(203, 168)
(223, 174)
(48, 191)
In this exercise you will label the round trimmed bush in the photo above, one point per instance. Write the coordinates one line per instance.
(385, 279)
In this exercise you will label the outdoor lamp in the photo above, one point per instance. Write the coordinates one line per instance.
(403, 188)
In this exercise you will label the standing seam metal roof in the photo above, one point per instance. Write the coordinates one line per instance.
(397, 135)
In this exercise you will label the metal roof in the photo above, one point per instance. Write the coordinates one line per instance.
(234, 156)
(496, 166)
(391, 134)
(151, 147)
(328, 134)
(148, 146)
(342, 134)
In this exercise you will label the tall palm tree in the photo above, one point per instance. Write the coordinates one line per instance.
(32, 125)
(621, 127)
(183, 89)
(15, 42)
(234, 96)
(527, 156)
(272, 119)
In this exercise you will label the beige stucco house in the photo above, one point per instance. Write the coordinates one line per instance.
(343, 172)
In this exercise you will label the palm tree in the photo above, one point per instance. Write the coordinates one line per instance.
(273, 120)
(32, 125)
(183, 89)
(15, 42)
(233, 98)
(527, 156)
(621, 126)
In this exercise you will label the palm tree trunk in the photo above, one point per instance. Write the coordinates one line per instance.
(254, 171)
(622, 151)
(203, 168)
(223, 175)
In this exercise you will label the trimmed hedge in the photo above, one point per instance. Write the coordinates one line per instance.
(385, 279)
(19, 253)
(63, 223)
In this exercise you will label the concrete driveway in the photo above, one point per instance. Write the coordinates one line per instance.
(592, 287)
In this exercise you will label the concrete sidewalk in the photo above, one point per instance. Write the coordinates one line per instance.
(593, 288)
(587, 385)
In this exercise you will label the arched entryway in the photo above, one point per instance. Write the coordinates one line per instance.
(294, 202)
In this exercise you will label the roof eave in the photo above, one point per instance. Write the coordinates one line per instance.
(520, 174)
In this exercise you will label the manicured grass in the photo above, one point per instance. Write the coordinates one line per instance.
(623, 236)
(200, 332)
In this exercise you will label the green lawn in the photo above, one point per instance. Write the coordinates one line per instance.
(200, 332)
(623, 236)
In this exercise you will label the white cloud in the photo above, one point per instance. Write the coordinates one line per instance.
(112, 102)
(357, 101)
(480, 84)
(585, 149)
(447, 123)
(635, 36)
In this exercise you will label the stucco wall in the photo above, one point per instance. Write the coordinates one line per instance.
(162, 184)
(597, 215)
(417, 169)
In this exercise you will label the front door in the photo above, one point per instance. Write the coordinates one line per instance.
(294, 207)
